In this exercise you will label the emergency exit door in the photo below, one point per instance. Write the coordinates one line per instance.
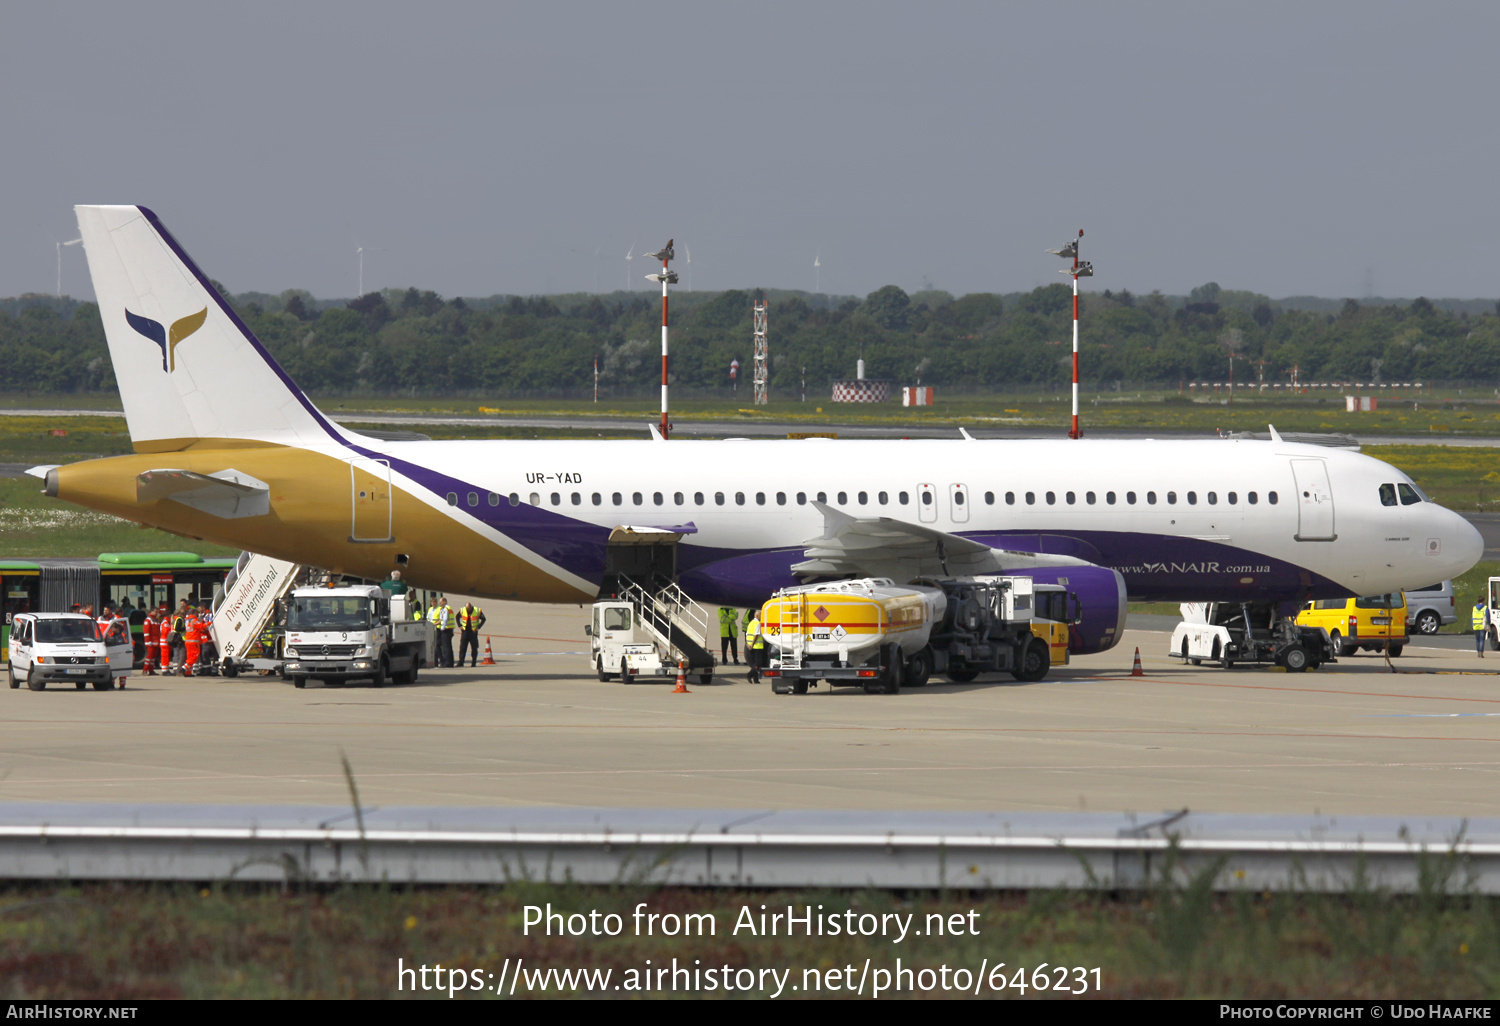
(370, 500)
(1314, 501)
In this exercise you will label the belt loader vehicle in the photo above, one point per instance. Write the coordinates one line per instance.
(882, 635)
(352, 632)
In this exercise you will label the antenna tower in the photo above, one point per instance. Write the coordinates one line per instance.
(762, 355)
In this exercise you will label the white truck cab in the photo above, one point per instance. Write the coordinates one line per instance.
(620, 647)
(348, 632)
(67, 647)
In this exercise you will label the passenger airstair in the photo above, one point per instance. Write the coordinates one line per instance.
(245, 604)
(666, 611)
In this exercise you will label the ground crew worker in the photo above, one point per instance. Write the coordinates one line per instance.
(727, 651)
(210, 650)
(470, 620)
(442, 621)
(755, 647)
(179, 636)
(192, 641)
(1479, 618)
(750, 614)
(148, 636)
(164, 638)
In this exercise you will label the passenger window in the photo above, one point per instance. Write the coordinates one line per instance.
(1409, 494)
(1271, 498)
(1171, 498)
(1031, 498)
(884, 498)
(636, 498)
(864, 497)
(453, 498)
(1071, 498)
(1192, 498)
(823, 497)
(536, 500)
(617, 499)
(1251, 496)
(781, 498)
(1213, 498)
(1151, 498)
(677, 497)
(802, 498)
(473, 499)
(656, 498)
(739, 498)
(698, 498)
(718, 498)
(1052, 498)
(598, 499)
(1233, 498)
(494, 499)
(927, 498)
(1010, 498)
(1090, 498)
(515, 499)
(1388, 495)
(577, 499)
(1130, 498)
(760, 498)
(958, 498)
(901, 497)
(843, 498)
(1109, 498)
(556, 499)
(989, 498)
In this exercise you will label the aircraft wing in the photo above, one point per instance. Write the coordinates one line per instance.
(228, 494)
(882, 547)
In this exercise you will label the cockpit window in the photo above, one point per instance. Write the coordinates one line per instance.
(1388, 495)
(1409, 494)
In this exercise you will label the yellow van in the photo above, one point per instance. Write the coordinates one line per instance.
(1372, 622)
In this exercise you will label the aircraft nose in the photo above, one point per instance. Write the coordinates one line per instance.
(1460, 545)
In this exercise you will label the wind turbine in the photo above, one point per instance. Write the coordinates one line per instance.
(817, 272)
(59, 245)
(689, 253)
(629, 256)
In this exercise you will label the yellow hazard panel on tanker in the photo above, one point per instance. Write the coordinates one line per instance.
(1056, 637)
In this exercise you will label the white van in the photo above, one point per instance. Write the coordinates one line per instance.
(46, 647)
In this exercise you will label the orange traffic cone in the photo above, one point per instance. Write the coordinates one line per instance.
(1136, 671)
(681, 688)
(489, 656)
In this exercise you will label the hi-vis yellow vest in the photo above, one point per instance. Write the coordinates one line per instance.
(1478, 619)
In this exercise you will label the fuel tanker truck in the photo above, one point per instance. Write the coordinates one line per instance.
(875, 633)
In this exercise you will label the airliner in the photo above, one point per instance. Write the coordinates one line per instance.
(228, 449)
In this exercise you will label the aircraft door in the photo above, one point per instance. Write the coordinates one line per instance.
(370, 500)
(958, 503)
(1314, 501)
(926, 503)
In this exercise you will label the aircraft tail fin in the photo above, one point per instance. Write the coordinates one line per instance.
(188, 368)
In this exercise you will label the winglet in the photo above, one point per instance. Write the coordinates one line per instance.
(967, 436)
(1274, 436)
(41, 471)
(655, 433)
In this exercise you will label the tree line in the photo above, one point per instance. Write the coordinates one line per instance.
(414, 342)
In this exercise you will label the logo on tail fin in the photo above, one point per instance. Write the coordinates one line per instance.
(166, 340)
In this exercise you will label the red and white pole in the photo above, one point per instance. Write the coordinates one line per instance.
(1075, 431)
(665, 427)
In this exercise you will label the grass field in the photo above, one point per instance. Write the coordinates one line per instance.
(144, 941)
(1471, 412)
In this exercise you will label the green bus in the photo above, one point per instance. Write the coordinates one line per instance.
(133, 581)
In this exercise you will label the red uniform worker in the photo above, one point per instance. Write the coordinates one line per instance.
(148, 636)
(193, 639)
(164, 635)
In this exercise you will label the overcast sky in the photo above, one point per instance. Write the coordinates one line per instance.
(1338, 148)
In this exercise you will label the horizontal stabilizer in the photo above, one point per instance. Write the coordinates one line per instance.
(882, 547)
(229, 494)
